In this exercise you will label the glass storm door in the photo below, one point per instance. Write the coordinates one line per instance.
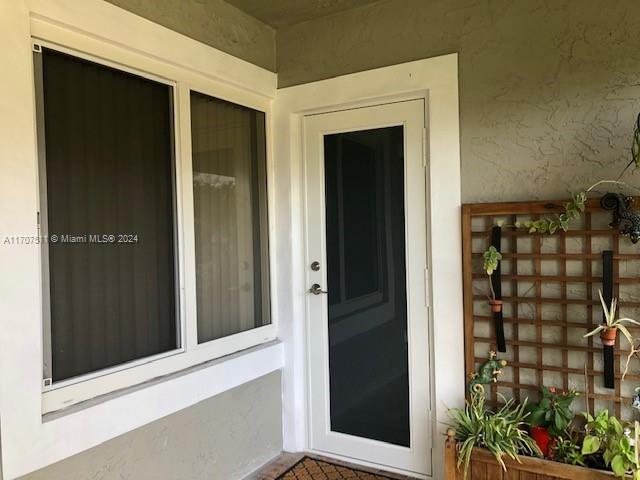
(366, 273)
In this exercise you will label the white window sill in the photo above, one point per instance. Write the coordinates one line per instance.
(101, 384)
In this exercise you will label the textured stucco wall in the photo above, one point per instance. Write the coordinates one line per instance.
(213, 22)
(549, 89)
(281, 13)
(223, 438)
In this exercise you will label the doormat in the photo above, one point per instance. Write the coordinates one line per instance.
(312, 469)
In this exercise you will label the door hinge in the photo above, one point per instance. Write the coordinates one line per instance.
(424, 147)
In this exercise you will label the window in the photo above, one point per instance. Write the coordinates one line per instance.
(44, 423)
(113, 280)
(107, 194)
(230, 199)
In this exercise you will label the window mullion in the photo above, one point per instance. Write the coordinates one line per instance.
(184, 164)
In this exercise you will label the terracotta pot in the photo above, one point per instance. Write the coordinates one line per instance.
(608, 336)
(541, 436)
(496, 305)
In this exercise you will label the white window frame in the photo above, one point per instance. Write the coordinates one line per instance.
(189, 352)
(41, 425)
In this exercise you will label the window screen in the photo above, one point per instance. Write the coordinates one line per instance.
(230, 206)
(108, 207)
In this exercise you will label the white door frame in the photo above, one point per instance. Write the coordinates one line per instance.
(437, 80)
(409, 115)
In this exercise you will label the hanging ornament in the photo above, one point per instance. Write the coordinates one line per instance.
(625, 220)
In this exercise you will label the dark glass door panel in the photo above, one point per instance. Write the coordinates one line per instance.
(368, 357)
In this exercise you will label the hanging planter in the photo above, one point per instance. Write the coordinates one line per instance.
(492, 258)
(496, 305)
(608, 336)
(608, 330)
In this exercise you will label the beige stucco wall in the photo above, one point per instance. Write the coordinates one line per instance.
(223, 438)
(213, 22)
(549, 89)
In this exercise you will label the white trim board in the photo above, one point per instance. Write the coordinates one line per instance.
(97, 20)
(436, 79)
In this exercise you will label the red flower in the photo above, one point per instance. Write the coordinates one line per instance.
(552, 389)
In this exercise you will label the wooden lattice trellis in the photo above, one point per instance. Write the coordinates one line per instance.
(550, 289)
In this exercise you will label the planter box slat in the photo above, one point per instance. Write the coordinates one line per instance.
(494, 471)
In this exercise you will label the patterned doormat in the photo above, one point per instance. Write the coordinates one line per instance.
(312, 469)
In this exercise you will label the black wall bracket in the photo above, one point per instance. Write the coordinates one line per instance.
(607, 294)
(496, 281)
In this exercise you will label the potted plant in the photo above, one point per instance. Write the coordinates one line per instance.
(501, 432)
(608, 330)
(491, 259)
(550, 417)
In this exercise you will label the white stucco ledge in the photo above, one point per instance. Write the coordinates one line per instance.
(90, 423)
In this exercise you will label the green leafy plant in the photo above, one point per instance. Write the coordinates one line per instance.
(635, 148)
(611, 321)
(572, 210)
(606, 435)
(491, 259)
(553, 411)
(501, 432)
(621, 454)
(635, 144)
(567, 450)
(598, 430)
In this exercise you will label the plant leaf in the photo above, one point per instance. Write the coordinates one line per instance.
(595, 331)
(590, 444)
(605, 309)
(626, 333)
(618, 465)
(628, 320)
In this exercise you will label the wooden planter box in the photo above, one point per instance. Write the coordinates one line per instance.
(484, 467)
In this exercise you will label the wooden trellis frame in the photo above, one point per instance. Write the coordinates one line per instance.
(528, 332)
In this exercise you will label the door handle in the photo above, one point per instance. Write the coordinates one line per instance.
(316, 289)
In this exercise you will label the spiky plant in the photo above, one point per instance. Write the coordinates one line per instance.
(501, 432)
(612, 322)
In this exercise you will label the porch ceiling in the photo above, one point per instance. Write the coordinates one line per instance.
(281, 13)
